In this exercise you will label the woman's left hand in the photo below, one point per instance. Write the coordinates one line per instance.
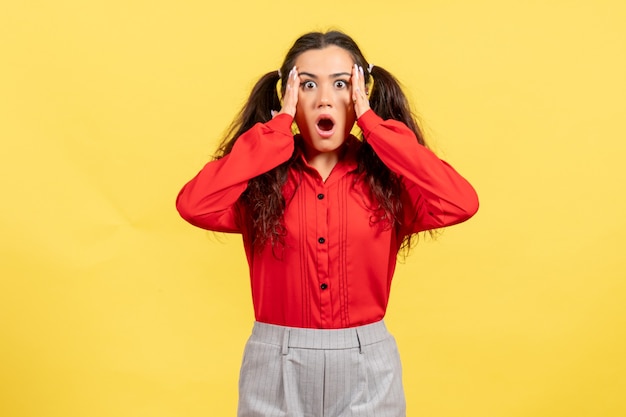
(359, 91)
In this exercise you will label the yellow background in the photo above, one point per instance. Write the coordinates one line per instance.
(111, 305)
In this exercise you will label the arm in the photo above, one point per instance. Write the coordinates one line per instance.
(208, 200)
(437, 194)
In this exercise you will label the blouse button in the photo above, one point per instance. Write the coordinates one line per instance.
(321, 240)
(320, 196)
(324, 286)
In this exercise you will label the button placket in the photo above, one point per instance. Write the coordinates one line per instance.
(320, 200)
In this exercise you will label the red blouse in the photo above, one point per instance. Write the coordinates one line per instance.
(336, 266)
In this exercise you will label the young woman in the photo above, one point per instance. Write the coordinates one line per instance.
(323, 215)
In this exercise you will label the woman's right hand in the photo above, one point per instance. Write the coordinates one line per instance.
(290, 98)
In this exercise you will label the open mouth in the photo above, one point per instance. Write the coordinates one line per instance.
(325, 126)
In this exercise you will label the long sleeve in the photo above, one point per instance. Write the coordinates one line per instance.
(208, 200)
(437, 194)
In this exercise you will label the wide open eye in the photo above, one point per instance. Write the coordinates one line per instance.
(341, 84)
(308, 85)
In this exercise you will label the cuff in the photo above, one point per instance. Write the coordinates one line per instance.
(368, 122)
(281, 123)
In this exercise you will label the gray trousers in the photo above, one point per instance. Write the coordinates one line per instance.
(298, 372)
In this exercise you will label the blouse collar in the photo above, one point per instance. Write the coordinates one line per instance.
(347, 162)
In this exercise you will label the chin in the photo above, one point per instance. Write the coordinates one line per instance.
(322, 145)
(324, 135)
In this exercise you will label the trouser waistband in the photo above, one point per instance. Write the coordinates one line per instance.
(304, 338)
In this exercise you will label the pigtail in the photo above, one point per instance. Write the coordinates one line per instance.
(263, 197)
(263, 99)
(389, 101)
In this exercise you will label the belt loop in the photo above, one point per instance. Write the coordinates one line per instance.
(286, 342)
(358, 339)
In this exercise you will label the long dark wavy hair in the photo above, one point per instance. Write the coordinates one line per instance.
(264, 195)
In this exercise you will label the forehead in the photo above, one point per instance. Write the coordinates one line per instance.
(329, 60)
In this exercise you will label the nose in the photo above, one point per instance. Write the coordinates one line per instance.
(324, 98)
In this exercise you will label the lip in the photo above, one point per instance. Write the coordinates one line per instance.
(324, 133)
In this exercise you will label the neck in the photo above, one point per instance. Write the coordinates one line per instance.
(323, 162)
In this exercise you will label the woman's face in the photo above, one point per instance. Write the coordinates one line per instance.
(325, 112)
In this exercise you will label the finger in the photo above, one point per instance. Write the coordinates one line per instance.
(290, 98)
(359, 95)
(362, 78)
(355, 83)
(296, 83)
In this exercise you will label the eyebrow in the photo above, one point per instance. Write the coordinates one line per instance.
(337, 75)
